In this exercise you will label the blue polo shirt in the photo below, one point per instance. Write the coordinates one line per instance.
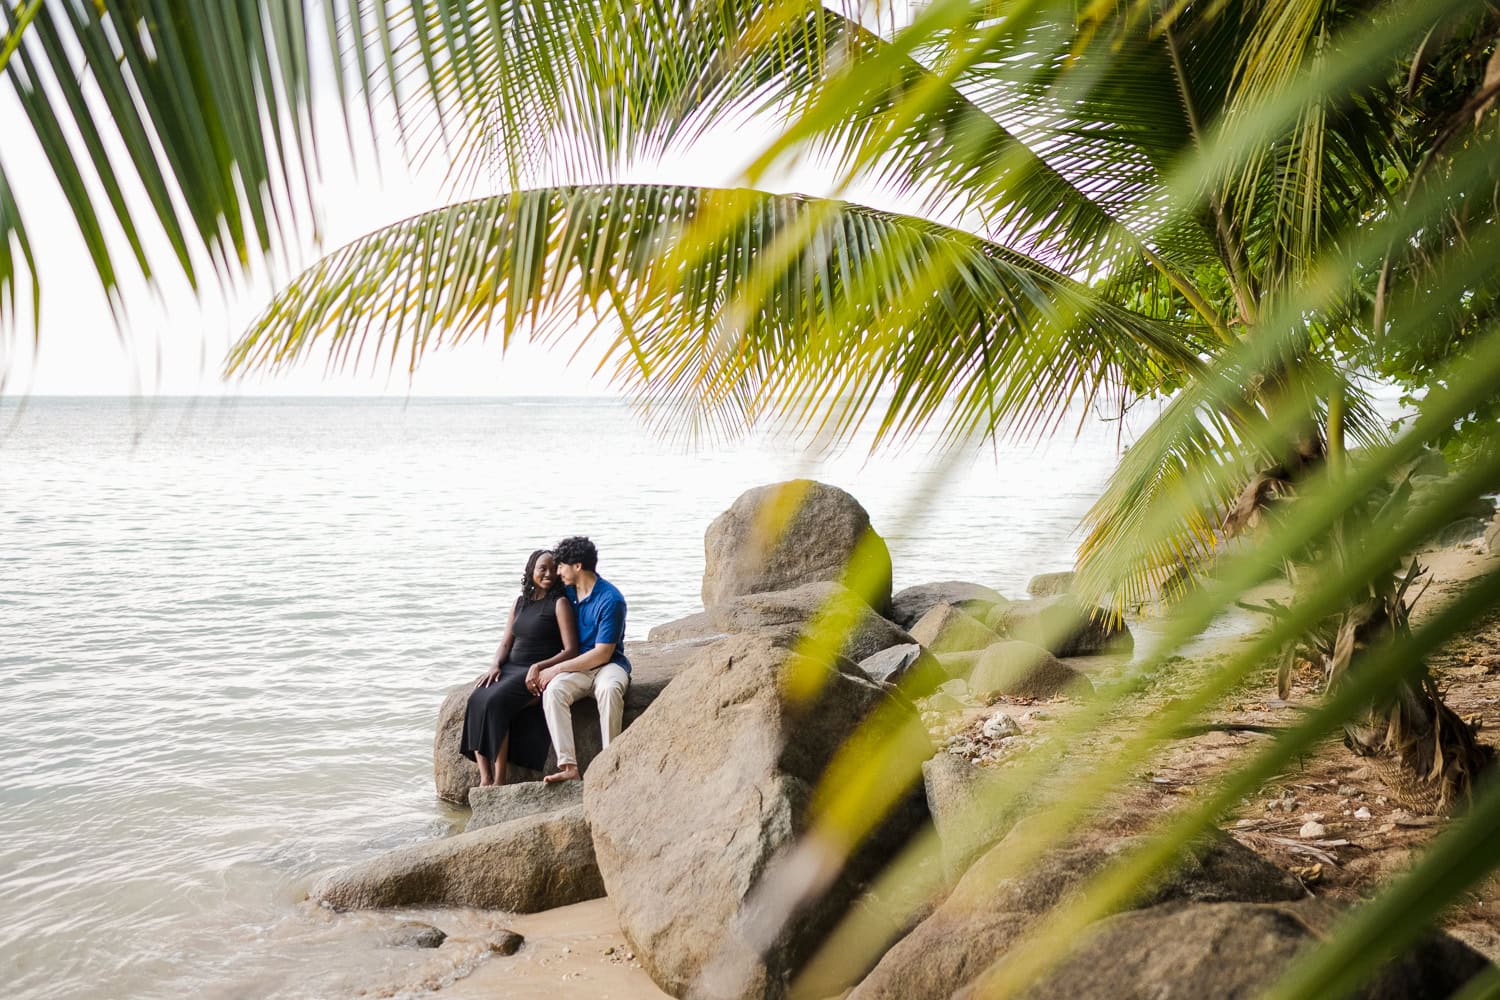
(601, 618)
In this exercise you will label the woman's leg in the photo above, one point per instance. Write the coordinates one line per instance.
(486, 775)
(502, 760)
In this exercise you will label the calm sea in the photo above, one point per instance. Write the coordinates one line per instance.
(226, 626)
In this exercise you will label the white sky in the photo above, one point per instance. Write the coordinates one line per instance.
(175, 342)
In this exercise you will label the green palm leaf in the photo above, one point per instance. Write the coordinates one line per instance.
(719, 328)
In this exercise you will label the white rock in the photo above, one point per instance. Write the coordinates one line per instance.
(1312, 830)
(1363, 812)
(999, 726)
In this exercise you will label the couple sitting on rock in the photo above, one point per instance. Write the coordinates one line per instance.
(525, 699)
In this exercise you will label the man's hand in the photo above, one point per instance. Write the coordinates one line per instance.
(546, 677)
(532, 683)
(485, 680)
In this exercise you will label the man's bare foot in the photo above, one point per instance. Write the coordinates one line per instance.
(568, 772)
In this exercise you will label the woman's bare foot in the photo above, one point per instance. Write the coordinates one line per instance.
(568, 772)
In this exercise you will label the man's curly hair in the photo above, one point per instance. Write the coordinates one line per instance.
(577, 549)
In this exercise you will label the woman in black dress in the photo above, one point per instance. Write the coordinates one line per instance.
(504, 720)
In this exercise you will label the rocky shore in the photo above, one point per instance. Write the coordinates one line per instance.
(666, 859)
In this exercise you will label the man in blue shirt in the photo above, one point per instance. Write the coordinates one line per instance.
(600, 670)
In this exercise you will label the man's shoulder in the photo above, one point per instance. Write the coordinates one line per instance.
(608, 591)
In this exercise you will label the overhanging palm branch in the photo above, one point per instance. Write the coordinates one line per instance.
(733, 305)
(594, 85)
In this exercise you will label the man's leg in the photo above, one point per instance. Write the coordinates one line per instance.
(609, 692)
(557, 706)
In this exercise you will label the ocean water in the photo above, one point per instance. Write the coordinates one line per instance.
(226, 627)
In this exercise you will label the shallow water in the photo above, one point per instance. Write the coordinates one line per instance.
(225, 628)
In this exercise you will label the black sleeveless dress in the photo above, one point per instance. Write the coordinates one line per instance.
(506, 706)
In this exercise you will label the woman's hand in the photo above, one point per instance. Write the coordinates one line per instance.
(533, 679)
(485, 680)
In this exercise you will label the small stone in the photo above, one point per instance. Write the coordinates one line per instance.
(1313, 817)
(414, 934)
(1348, 791)
(1363, 812)
(506, 942)
(1312, 830)
(610, 950)
(1000, 726)
(1036, 715)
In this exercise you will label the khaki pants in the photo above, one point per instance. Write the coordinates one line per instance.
(606, 684)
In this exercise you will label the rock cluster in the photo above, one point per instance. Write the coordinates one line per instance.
(694, 820)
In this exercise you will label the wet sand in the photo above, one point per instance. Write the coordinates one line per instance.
(572, 951)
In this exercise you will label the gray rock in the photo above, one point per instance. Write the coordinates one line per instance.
(811, 606)
(1426, 490)
(990, 907)
(947, 629)
(1492, 537)
(1062, 626)
(821, 527)
(414, 934)
(1021, 670)
(506, 942)
(908, 664)
(1465, 529)
(693, 804)
(909, 605)
(652, 666)
(523, 866)
(952, 786)
(495, 804)
(694, 626)
(1183, 952)
(1051, 584)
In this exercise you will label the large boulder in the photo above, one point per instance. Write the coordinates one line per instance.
(1184, 952)
(964, 827)
(694, 803)
(909, 605)
(694, 626)
(992, 906)
(1465, 529)
(1061, 625)
(523, 866)
(495, 804)
(946, 628)
(808, 607)
(1021, 670)
(1492, 538)
(781, 536)
(652, 665)
(1051, 584)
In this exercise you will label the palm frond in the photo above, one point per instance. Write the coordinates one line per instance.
(15, 241)
(735, 305)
